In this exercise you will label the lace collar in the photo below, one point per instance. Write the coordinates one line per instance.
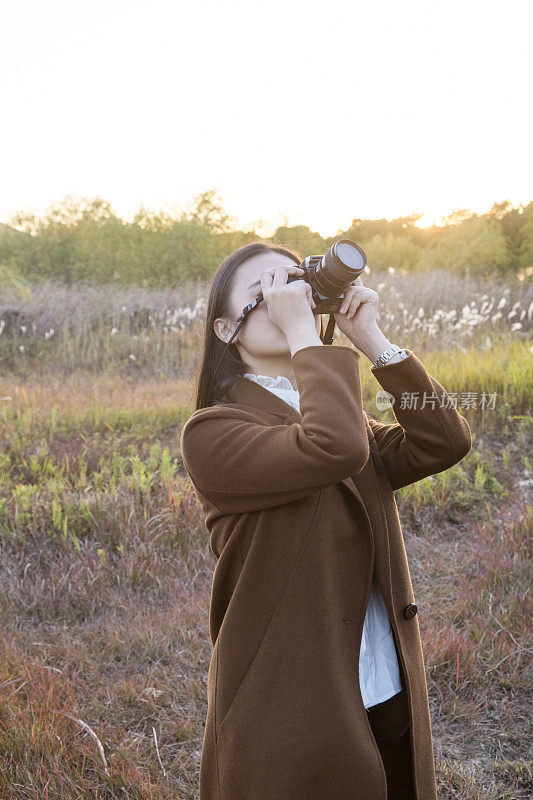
(272, 383)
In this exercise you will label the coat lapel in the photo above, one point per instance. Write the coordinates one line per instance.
(250, 393)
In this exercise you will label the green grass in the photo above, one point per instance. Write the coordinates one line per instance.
(505, 370)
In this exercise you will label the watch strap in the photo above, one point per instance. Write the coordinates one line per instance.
(388, 354)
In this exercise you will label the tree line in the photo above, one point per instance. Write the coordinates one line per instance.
(86, 240)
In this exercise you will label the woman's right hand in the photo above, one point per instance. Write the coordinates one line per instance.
(289, 304)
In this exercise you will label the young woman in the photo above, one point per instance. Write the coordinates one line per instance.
(316, 684)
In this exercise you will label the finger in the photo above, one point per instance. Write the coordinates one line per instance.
(309, 293)
(360, 291)
(290, 269)
(353, 304)
(266, 281)
(353, 308)
(357, 282)
(280, 276)
(349, 293)
(358, 300)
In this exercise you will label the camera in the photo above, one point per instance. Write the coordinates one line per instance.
(329, 276)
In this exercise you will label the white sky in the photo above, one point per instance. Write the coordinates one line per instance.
(294, 112)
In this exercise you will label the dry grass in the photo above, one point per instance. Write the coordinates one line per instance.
(135, 331)
(105, 577)
(473, 583)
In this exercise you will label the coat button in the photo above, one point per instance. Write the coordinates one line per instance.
(409, 611)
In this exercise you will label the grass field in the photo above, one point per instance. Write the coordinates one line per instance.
(105, 570)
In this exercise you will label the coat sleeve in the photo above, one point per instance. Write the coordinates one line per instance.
(429, 435)
(241, 465)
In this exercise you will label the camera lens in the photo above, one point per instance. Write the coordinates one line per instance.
(343, 262)
(349, 255)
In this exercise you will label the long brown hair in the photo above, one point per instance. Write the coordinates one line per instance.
(218, 305)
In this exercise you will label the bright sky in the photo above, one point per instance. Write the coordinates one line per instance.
(294, 112)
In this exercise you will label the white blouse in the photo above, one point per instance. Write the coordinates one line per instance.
(379, 672)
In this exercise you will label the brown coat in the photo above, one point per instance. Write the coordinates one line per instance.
(301, 510)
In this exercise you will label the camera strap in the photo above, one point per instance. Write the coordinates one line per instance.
(327, 337)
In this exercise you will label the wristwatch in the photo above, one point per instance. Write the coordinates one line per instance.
(388, 354)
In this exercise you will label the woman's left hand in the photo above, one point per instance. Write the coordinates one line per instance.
(361, 304)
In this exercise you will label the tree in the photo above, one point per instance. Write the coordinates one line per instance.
(209, 213)
(390, 250)
(526, 237)
(476, 244)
